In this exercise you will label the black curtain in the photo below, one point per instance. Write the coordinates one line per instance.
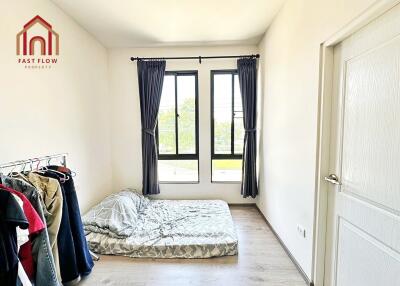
(247, 71)
(151, 78)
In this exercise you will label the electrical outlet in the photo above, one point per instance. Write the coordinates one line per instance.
(301, 230)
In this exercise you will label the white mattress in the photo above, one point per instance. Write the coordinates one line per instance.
(174, 229)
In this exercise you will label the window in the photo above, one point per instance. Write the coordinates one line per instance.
(177, 128)
(227, 129)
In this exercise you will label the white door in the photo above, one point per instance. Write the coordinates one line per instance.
(363, 227)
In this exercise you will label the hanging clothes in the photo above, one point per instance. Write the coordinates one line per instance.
(83, 257)
(50, 192)
(22, 234)
(11, 217)
(41, 248)
(49, 211)
(72, 241)
(22, 238)
(69, 268)
(36, 225)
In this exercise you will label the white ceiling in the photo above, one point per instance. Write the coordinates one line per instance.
(143, 23)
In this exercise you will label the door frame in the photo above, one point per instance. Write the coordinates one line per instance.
(324, 129)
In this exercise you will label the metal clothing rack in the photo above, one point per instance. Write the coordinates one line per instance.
(62, 156)
(38, 160)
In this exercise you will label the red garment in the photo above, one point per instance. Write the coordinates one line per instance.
(35, 225)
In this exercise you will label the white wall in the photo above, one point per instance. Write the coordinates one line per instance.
(290, 68)
(62, 109)
(126, 128)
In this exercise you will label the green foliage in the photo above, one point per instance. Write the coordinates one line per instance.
(166, 131)
(187, 127)
(187, 130)
(222, 137)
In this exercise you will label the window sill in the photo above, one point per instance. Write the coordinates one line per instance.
(226, 182)
(179, 183)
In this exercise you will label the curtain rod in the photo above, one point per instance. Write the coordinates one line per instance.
(200, 58)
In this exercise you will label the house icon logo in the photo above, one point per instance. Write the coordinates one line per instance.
(37, 44)
(28, 39)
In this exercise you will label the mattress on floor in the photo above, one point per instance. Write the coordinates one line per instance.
(174, 229)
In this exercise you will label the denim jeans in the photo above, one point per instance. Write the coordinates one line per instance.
(41, 248)
(83, 259)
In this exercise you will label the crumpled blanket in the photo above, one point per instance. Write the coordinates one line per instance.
(117, 215)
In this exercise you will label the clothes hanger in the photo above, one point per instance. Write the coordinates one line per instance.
(13, 174)
(44, 168)
(24, 166)
(67, 170)
(71, 173)
(64, 177)
(36, 169)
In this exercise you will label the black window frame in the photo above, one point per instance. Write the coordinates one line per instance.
(232, 155)
(177, 156)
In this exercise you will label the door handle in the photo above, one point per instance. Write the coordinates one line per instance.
(333, 179)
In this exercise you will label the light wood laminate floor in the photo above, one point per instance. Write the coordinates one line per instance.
(261, 261)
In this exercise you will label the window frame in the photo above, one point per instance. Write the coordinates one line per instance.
(177, 156)
(232, 155)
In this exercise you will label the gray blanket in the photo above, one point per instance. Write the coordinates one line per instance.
(117, 215)
(129, 224)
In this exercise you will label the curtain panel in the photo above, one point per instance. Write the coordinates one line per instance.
(247, 71)
(151, 78)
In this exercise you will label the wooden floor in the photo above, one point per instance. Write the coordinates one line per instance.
(261, 261)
